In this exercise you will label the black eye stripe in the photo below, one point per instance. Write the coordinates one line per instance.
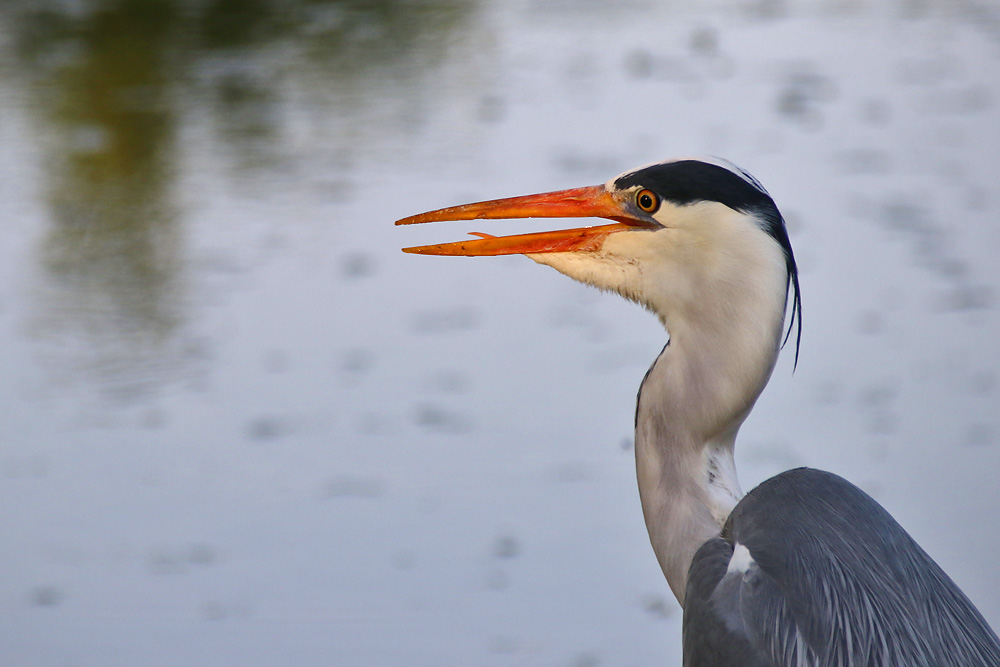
(689, 181)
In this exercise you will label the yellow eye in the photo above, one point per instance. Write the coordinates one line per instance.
(647, 200)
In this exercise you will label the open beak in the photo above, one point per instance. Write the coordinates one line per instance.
(593, 201)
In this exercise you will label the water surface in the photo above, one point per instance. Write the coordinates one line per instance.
(240, 427)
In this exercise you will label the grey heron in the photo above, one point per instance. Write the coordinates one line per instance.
(805, 569)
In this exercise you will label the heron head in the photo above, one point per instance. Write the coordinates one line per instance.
(692, 239)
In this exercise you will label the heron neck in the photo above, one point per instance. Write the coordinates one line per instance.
(690, 407)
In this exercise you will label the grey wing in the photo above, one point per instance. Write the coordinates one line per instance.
(715, 633)
(823, 576)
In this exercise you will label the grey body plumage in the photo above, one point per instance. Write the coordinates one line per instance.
(834, 581)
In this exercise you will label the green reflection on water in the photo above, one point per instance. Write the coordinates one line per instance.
(110, 83)
(102, 89)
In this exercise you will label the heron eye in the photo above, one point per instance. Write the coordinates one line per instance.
(647, 200)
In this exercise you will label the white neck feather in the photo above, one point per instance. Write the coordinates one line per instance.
(718, 283)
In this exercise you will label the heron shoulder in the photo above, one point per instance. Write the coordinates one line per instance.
(715, 632)
(833, 579)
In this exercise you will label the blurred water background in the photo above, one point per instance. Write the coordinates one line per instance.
(238, 426)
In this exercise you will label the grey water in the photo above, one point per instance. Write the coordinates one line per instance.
(238, 426)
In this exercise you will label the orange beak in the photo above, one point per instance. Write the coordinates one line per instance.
(594, 201)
